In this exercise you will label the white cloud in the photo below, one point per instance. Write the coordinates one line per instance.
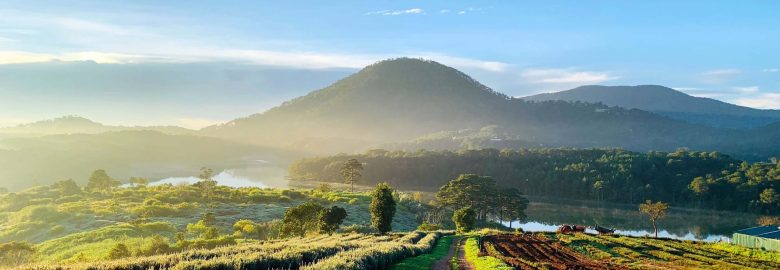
(770, 70)
(295, 59)
(719, 76)
(396, 12)
(747, 89)
(761, 101)
(19, 57)
(461, 12)
(565, 76)
(444, 11)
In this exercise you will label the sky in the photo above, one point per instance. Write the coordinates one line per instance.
(725, 50)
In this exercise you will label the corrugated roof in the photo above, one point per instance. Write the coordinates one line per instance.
(763, 231)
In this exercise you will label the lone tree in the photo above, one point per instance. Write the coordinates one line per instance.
(350, 171)
(655, 211)
(331, 218)
(100, 181)
(382, 208)
(464, 219)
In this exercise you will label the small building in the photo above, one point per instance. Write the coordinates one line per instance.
(765, 237)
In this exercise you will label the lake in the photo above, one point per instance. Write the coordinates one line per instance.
(679, 223)
(544, 214)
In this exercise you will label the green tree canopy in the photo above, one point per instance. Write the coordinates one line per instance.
(100, 181)
(331, 219)
(465, 219)
(382, 208)
(350, 172)
(301, 219)
(654, 211)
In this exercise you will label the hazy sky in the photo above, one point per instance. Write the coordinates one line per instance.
(719, 49)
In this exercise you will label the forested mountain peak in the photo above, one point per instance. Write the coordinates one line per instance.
(669, 102)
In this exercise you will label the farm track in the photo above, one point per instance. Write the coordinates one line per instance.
(463, 263)
(531, 252)
(444, 263)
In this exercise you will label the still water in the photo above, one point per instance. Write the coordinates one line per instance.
(544, 214)
(679, 223)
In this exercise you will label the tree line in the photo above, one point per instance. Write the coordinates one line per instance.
(681, 178)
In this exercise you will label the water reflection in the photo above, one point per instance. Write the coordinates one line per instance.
(686, 224)
(259, 173)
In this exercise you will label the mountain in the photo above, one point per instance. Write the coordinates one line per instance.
(400, 100)
(77, 125)
(668, 102)
(390, 100)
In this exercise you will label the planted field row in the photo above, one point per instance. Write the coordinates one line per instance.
(584, 251)
(339, 251)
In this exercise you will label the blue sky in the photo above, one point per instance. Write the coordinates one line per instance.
(721, 49)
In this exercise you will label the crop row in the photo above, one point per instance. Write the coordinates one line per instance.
(283, 254)
(379, 256)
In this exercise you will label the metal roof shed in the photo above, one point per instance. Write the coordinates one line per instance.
(765, 237)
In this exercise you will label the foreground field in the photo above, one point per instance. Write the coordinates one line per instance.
(584, 251)
(341, 251)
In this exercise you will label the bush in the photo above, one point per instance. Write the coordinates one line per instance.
(425, 226)
(293, 194)
(119, 251)
(464, 219)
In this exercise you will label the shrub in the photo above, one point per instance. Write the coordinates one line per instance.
(464, 219)
(382, 208)
(425, 226)
(119, 250)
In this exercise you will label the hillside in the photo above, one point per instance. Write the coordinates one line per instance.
(668, 102)
(124, 154)
(400, 100)
(78, 125)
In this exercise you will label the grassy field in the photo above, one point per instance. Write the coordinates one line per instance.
(425, 261)
(84, 226)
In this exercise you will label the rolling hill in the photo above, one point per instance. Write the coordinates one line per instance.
(669, 102)
(404, 99)
(78, 125)
(45, 159)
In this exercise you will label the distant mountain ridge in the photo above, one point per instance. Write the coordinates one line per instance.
(79, 125)
(404, 99)
(669, 102)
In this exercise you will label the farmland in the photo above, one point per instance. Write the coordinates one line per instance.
(340, 251)
(585, 251)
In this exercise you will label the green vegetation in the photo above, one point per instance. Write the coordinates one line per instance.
(425, 261)
(654, 211)
(351, 173)
(642, 252)
(681, 178)
(483, 197)
(65, 223)
(339, 251)
(464, 219)
(482, 262)
(382, 208)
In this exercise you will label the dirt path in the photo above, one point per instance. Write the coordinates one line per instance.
(463, 264)
(444, 263)
(525, 251)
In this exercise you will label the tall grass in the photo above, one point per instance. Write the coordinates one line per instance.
(482, 262)
(426, 261)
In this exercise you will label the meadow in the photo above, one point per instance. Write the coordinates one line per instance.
(67, 225)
